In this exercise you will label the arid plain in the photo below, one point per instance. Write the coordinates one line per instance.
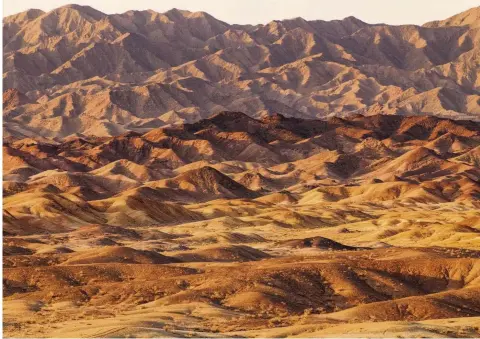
(171, 175)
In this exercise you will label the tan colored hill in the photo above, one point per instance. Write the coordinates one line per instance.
(13, 98)
(202, 184)
(469, 18)
(117, 254)
(180, 66)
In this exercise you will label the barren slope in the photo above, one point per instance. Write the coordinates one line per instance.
(77, 71)
(233, 226)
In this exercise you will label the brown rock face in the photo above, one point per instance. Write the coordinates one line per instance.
(13, 98)
(90, 73)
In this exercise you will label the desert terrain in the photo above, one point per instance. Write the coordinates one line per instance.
(78, 71)
(172, 175)
(233, 226)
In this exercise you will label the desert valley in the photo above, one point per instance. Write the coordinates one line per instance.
(173, 175)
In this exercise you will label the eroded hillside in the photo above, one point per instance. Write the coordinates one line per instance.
(78, 71)
(231, 226)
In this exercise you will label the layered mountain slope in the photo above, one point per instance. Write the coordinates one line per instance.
(80, 71)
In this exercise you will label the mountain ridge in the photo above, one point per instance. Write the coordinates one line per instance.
(87, 72)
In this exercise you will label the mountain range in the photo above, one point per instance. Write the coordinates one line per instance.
(77, 71)
(172, 175)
